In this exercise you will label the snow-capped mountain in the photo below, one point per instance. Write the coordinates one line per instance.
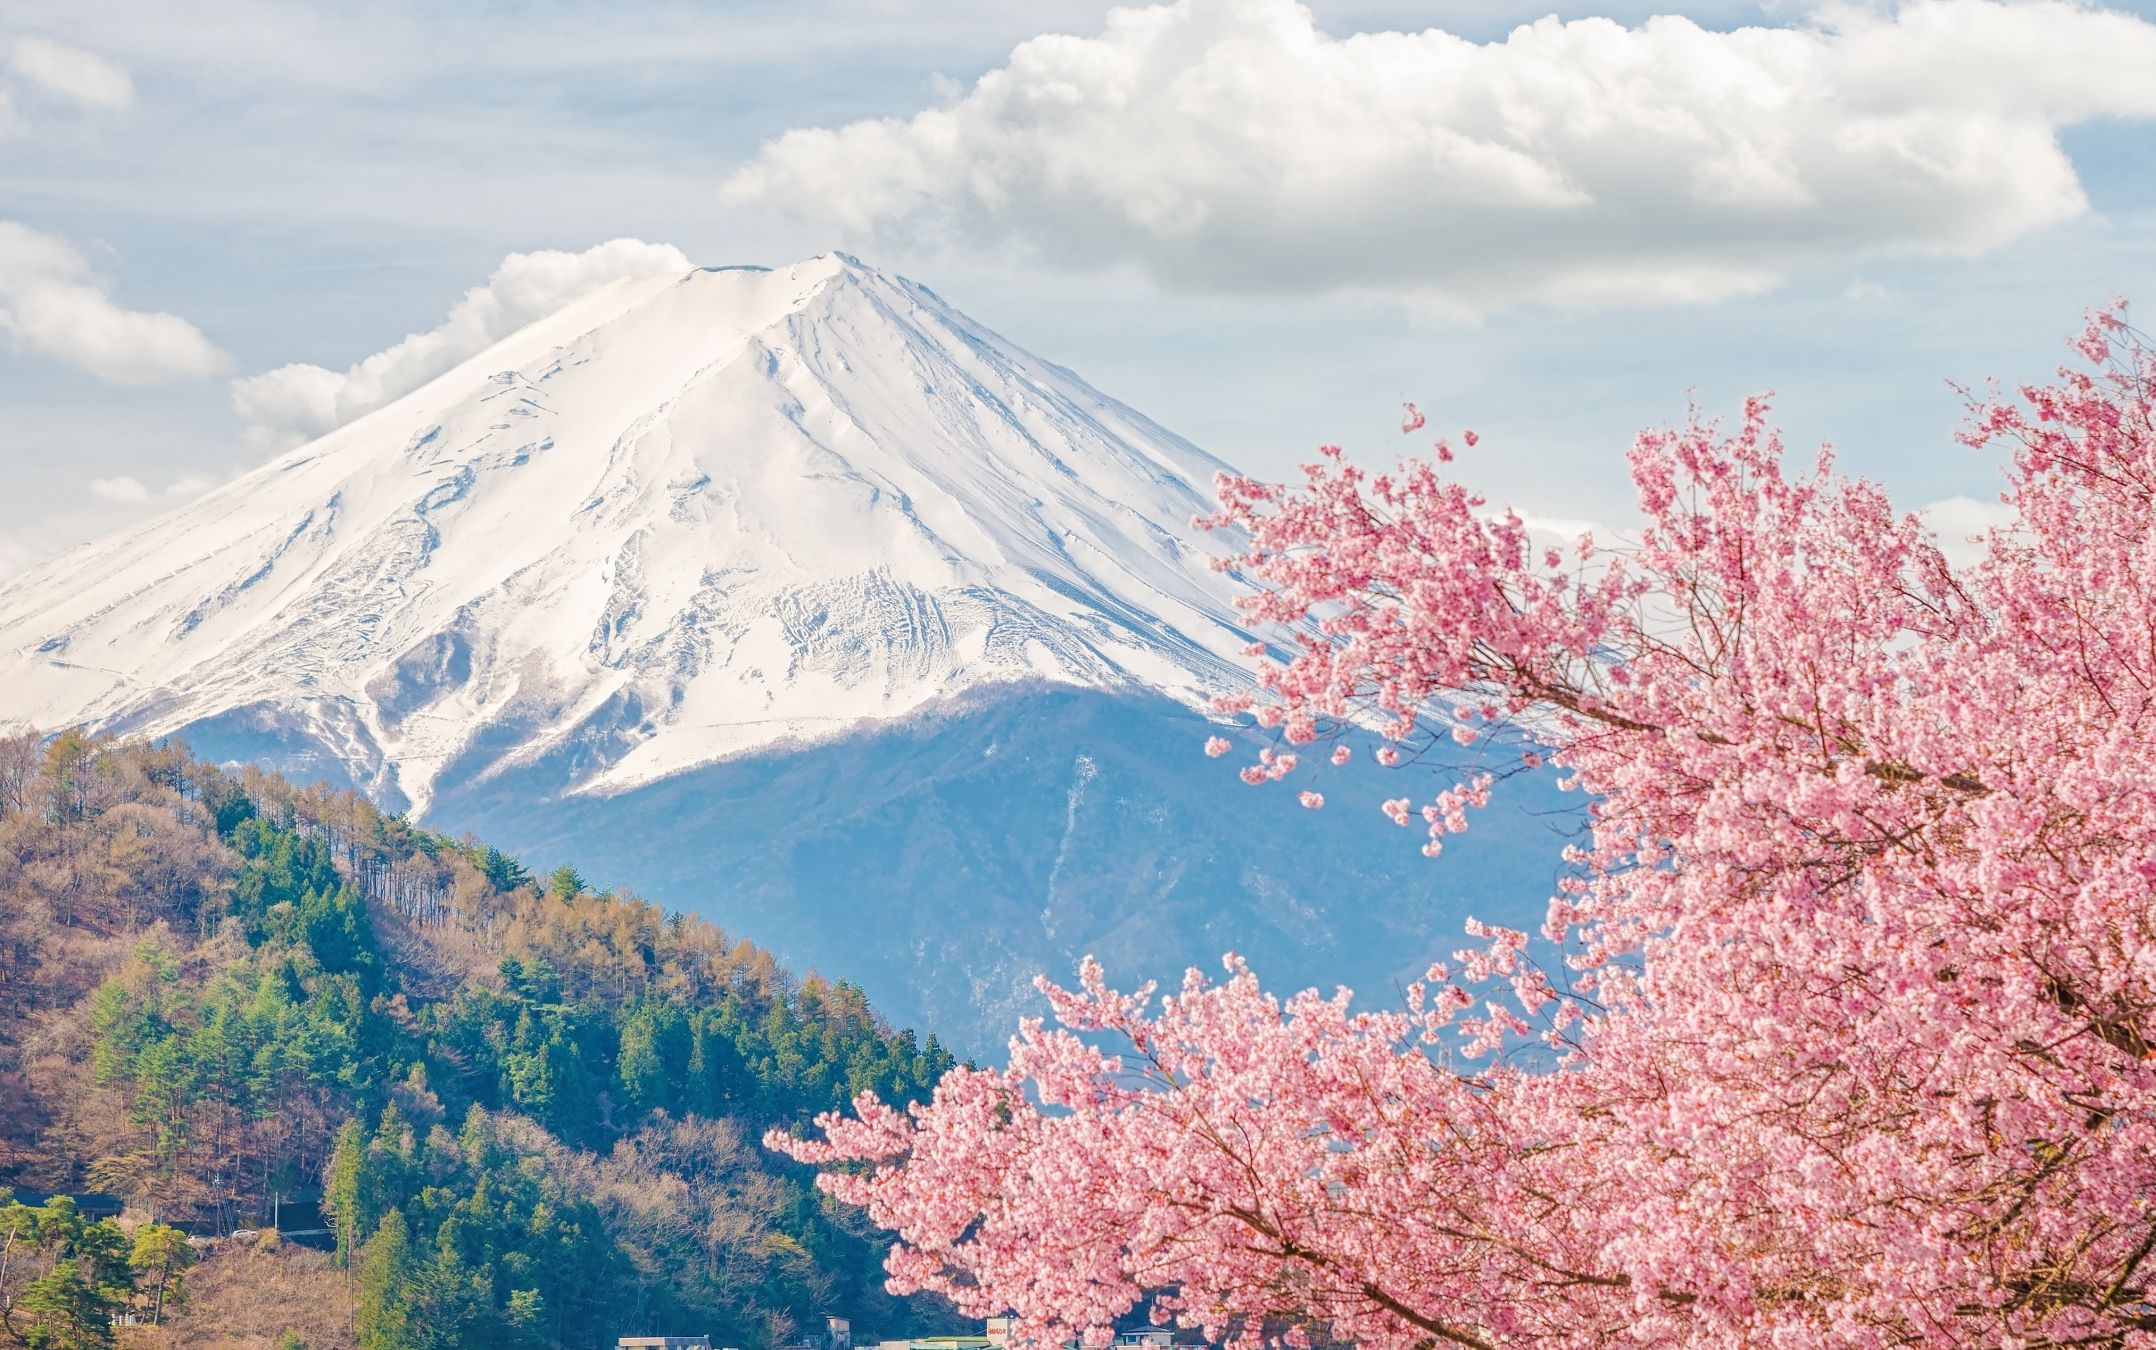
(792, 597)
(684, 518)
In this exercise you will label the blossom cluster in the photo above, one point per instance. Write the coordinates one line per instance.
(1852, 1028)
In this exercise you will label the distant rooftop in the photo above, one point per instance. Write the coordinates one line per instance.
(998, 1338)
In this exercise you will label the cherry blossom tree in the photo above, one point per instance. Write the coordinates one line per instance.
(1852, 985)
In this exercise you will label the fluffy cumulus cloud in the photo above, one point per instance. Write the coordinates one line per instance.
(1231, 144)
(52, 303)
(120, 488)
(128, 490)
(295, 403)
(65, 74)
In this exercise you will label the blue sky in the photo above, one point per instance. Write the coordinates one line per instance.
(1263, 226)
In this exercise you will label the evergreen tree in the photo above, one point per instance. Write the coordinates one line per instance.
(70, 1308)
(344, 1189)
(162, 1256)
(501, 870)
(386, 1269)
(526, 1317)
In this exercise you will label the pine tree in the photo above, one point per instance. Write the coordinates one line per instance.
(502, 871)
(161, 1255)
(71, 1308)
(527, 1316)
(385, 1281)
(565, 883)
(344, 1189)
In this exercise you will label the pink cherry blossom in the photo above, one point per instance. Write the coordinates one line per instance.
(1849, 996)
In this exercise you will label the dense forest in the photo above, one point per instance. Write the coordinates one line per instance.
(525, 1109)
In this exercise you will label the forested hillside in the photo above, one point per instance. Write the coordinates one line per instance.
(526, 1109)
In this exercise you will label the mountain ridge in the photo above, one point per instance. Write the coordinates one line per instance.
(838, 619)
(686, 517)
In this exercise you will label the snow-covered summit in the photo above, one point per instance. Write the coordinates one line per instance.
(686, 517)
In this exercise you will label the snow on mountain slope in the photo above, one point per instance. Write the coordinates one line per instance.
(685, 518)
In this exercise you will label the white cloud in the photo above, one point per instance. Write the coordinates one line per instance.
(1230, 144)
(129, 490)
(1960, 524)
(68, 73)
(50, 302)
(120, 488)
(295, 403)
(114, 502)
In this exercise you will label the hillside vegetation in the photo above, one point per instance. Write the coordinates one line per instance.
(526, 1109)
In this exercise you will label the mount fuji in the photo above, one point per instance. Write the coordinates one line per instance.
(791, 596)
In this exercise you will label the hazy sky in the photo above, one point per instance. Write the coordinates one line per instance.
(1261, 223)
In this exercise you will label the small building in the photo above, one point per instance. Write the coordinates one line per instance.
(663, 1343)
(89, 1204)
(999, 1338)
